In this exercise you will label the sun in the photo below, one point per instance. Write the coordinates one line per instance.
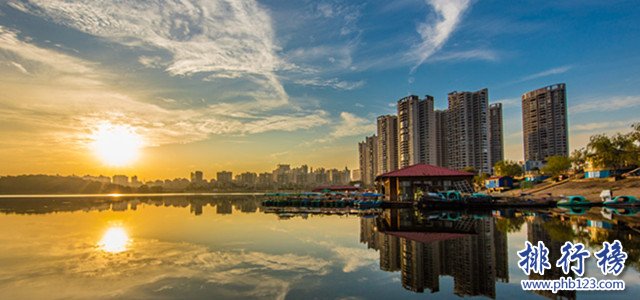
(116, 145)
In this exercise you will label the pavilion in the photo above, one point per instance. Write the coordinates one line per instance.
(402, 184)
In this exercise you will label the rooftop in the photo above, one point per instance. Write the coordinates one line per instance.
(424, 170)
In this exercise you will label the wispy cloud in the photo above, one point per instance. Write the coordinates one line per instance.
(351, 125)
(474, 54)
(152, 61)
(74, 95)
(599, 125)
(219, 37)
(545, 73)
(609, 104)
(434, 33)
(332, 83)
(509, 102)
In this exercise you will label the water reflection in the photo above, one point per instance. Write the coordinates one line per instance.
(114, 240)
(234, 244)
(424, 247)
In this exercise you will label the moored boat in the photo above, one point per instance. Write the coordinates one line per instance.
(623, 201)
(575, 200)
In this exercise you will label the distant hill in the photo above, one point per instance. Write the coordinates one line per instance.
(47, 184)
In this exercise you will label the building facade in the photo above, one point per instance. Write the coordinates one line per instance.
(467, 131)
(441, 138)
(387, 143)
(224, 177)
(544, 122)
(368, 158)
(496, 136)
(197, 177)
(416, 131)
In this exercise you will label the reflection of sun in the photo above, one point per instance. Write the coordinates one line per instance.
(114, 240)
(116, 145)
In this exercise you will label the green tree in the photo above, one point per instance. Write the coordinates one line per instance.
(619, 151)
(556, 165)
(579, 158)
(469, 170)
(480, 178)
(507, 168)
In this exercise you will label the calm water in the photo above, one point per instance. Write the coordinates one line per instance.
(217, 247)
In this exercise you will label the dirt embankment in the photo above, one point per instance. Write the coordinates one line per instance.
(590, 188)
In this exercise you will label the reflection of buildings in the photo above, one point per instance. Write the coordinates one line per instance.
(537, 230)
(224, 208)
(471, 250)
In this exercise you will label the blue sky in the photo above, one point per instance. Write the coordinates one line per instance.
(242, 85)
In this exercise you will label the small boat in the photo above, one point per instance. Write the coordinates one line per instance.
(608, 212)
(623, 201)
(577, 210)
(575, 201)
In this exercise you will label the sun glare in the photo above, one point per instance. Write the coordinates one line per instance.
(114, 240)
(116, 145)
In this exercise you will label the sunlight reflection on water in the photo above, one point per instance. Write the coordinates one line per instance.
(114, 240)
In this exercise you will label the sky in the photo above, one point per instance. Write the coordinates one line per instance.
(244, 85)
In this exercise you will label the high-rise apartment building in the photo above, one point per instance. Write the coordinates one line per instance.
(368, 152)
(544, 121)
(416, 131)
(496, 139)
(224, 177)
(441, 138)
(468, 138)
(197, 177)
(387, 143)
(122, 180)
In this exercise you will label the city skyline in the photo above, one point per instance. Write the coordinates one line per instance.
(180, 86)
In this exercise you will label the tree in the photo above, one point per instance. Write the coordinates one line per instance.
(480, 178)
(617, 152)
(556, 165)
(579, 158)
(469, 169)
(507, 168)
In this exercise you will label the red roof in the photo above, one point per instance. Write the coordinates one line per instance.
(424, 170)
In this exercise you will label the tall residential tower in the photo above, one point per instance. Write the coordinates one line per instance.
(368, 151)
(496, 139)
(387, 143)
(544, 121)
(468, 138)
(416, 131)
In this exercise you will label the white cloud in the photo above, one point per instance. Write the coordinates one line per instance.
(352, 125)
(222, 36)
(474, 54)
(599, 125)
(73, 96)
(545, 73)
(332, 83)
(606, 104)
(152, 61)
(20, 68)
(509, 102)
(435, 33)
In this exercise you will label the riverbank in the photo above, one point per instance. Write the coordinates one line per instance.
(590, 188)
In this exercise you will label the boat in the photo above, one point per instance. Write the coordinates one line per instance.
(575, 201)
(608, 212)
(623, 201)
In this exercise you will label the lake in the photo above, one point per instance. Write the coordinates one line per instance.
(228, 246)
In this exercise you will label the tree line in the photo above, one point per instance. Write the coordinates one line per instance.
(619, 151)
